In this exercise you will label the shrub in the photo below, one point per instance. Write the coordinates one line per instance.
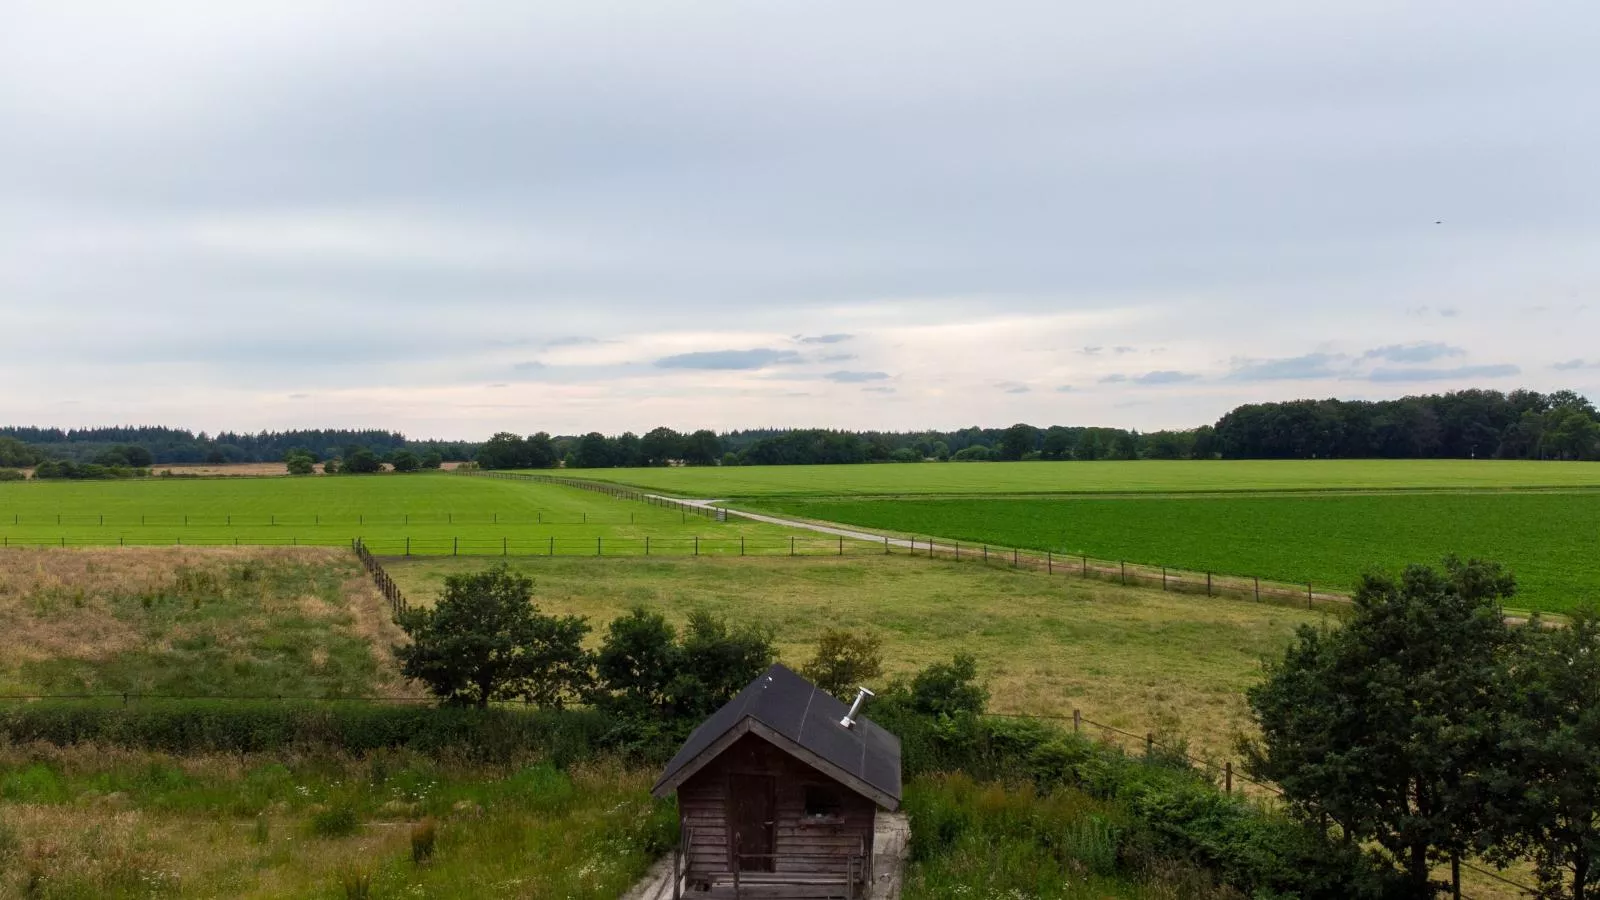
(424, 835)
(405, 461)
(12, 475)
(338, 820)
(249, 726)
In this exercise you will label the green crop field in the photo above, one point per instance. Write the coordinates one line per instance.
(1102, 477)
(1550, 540)
(437, 513)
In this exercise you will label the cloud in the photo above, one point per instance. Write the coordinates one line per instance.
(1013, 387)
(573, 341)
(855, 377)
(1090, 351)
(836, 357)
(878, 390)
(1573, 364)
(1311, 365)
(1426, 351)
(532, 365)
(298, 396)
(824, 338)
(758, 358)
(1167, 376)
(1415, 374)
(1121, 350)
(1065, 389)
(499, 384)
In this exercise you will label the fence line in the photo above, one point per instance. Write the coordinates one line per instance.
(714, 513)
(390, 590)
(272, 520)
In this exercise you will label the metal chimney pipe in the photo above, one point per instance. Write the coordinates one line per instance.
(850, 717)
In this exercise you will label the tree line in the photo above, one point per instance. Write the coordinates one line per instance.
(1482, 424)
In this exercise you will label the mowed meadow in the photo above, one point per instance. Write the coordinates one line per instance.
(1103, 477)
(1295, 521)
(394, 514)
(1549, 539)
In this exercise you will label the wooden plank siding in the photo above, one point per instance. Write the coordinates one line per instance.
(803, 847)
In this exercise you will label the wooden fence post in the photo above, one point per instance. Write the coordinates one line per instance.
(1124, 573)
(408, 545)
(1308, 595)
(1208, 584)
(1149, 744)
(455, 547)
(1227, 777)
(1049, 563)
(1258, 588)
(1163, 578)
(1077, 721)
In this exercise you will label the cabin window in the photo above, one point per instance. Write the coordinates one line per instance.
(824, 803)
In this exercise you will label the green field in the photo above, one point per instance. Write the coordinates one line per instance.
(1550, 540)
(1101, 477)
(437, 513)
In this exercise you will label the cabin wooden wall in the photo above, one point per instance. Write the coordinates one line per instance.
(703, 806)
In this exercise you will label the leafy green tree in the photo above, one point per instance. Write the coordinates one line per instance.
(594, 451)
(405, 461)
(503, 451)
(431, 460)
(361, 462)
(716, 661)
(1548, 792)
(1018, 441)
(637, 661)
(702, 448)
(541, 451)
(484, 640)
(660, 446)
(1088, 447)
(331, 467)
(299, 462)
(845, 660)
(1388, 724)
(16, 454)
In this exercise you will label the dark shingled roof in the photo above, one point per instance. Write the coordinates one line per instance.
(797, 710)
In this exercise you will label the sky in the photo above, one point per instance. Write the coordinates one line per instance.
(452, 220)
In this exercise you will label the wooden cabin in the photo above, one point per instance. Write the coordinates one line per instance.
(778, 794)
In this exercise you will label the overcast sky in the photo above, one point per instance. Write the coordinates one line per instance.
(455, 219)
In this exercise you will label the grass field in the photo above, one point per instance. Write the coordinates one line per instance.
(1141, 476)
(438, 513)
(1550, 540)
(1133, 659)
(94, 822)
(303, 622)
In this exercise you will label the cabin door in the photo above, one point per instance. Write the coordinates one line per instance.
(752, 802)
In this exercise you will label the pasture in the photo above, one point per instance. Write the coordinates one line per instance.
(1107, 477)
(1131, 658)
(1549, 540)
(422, 513)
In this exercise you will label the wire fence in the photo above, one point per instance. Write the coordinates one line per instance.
(318, 520)
(715, 513)
(386, 585)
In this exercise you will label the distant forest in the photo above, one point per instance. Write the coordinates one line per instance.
(1465, 424)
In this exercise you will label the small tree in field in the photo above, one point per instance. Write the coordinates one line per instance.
(405, 461)
(432, 460)
(845, 660)
(484, 640)
(300, 463)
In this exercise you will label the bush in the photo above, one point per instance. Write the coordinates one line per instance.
(424, 835)
(975, 453)
(12, 475)
(405, 461)
(339, 820)
(300, 463)
(432, 460)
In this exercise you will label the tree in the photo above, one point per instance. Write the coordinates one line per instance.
(660, 446)
(702, 448)
(1088, 447)
(299, 462)
(1387, 725)
(484, 640)
(331, 467)
(594, 451)
(645, 671)
(361, 462)
(1548, 789)
(715, 662)
(503, 451)
(845, 660)
(637, 661)
(405, 461)
(1018, 441)
(541, 451)
(431, 460)
(16, 454)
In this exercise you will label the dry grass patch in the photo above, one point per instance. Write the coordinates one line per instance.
(193, 621)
